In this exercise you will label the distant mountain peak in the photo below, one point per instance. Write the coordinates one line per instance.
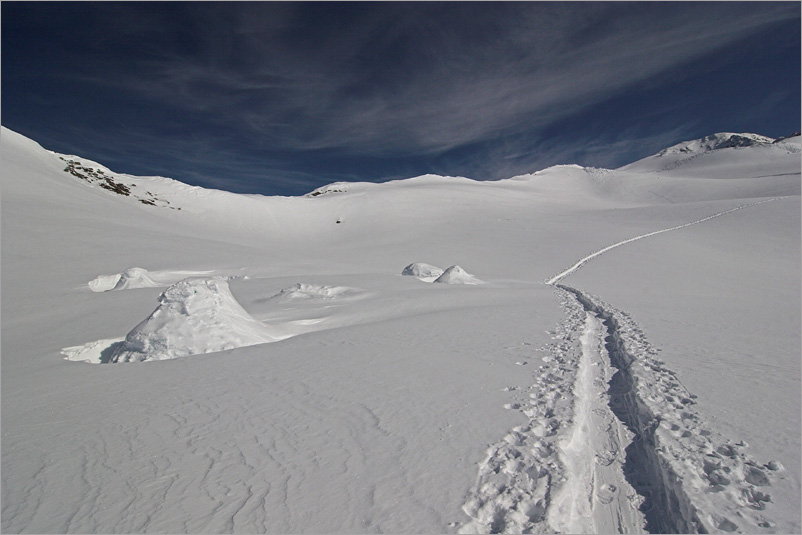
(740, 151)
(721, 140)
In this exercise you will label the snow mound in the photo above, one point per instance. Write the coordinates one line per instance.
(313, 291)
(94, 352)
(135, 278)
(130, 278)
(104, 283)
(142, 278)
(422, 271)
(194, 316)
(457, 275)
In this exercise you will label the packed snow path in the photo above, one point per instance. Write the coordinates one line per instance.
(689, 478)
(557, 278)
(635, 457)
(679, 471)
(596, 498)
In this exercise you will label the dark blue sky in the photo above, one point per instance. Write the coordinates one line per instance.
(282, 97)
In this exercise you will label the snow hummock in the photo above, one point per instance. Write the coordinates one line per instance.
(457, 275)
(423, 271)
(194, 316)
(314, 291)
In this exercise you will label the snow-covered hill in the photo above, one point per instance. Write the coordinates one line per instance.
(618, 352)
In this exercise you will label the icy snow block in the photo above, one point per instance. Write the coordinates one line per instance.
(457, 275)
(421, 270)
(194, 316)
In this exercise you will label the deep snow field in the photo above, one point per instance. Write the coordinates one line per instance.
(575, 350)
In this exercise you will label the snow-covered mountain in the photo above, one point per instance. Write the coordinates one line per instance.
(722, 140)
(619, 350)
(706, 157)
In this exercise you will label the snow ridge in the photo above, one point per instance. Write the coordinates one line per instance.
(110, 181)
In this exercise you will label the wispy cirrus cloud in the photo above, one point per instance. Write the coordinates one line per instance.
(412, 79)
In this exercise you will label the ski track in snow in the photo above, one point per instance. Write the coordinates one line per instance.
(557, 278)
(690, 479)
(634, 456)
(597, 498)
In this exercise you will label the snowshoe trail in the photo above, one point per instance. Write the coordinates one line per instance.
(514, 486)
(560, 276)
(634, 457)
(596, 498)
(680, 471)
(689, 479)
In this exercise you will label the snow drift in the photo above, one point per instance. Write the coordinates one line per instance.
(194, 316)
(134, 278)
(305, 291)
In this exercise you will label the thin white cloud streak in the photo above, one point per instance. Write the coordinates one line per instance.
(533, 66)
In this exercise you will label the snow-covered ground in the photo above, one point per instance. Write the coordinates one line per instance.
(613, 350)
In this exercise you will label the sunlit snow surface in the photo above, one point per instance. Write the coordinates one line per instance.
(278, 364)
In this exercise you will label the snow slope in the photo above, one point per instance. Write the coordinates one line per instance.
(292, 379)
